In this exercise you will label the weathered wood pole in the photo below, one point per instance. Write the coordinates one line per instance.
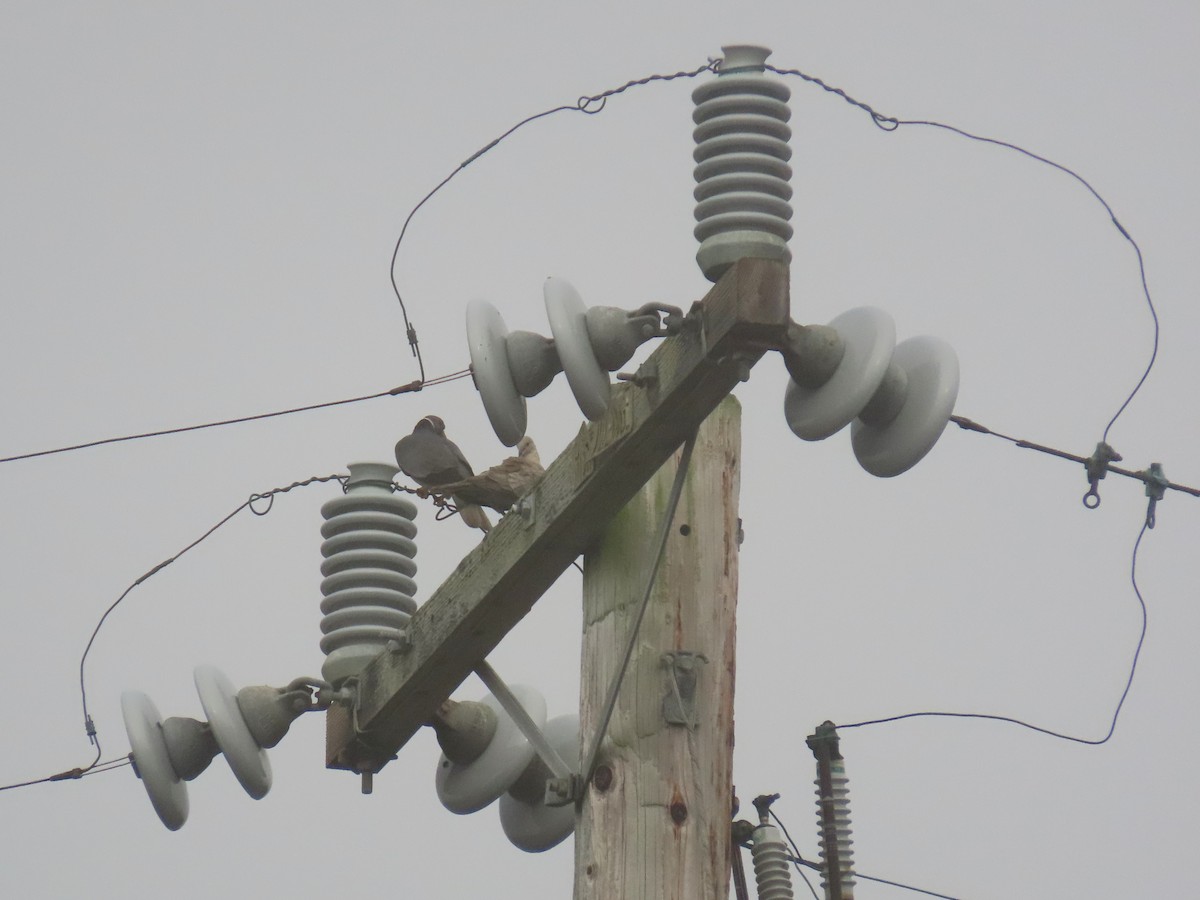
(655, 821)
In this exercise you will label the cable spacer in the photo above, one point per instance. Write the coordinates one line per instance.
(1097, 468)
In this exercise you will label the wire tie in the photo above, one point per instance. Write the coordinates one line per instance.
(1097, 468)
(1156, 489)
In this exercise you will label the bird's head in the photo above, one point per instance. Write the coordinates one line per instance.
(431, 423)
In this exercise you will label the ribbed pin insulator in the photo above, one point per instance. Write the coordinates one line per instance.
(742, 191)
(771, 871)
(368, 586)
(841, 816)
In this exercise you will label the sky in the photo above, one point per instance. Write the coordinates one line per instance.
(198, 205)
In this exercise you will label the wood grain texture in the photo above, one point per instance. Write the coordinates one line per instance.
(741, 317)
(661, 827)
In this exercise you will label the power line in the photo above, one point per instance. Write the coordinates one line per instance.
(402, 389)
(74, 774)
(798, 860)
(88, 724)
(1148, 477)
(589, 104)
(891, 123)
(1047, 731)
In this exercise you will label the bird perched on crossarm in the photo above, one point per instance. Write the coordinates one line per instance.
(432, 460)
(505, 483)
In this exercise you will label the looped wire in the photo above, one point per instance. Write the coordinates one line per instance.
(269, 497)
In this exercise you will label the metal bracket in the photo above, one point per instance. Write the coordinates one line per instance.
(1097, 468)
(1156, 489)
(400, 643)
(679, 704)
(564, 791)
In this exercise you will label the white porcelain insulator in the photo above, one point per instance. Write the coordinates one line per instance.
(368, 566)
(841, 816)
(742, 192)
(772, 873)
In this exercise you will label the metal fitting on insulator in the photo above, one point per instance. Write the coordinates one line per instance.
(769, 855)
(833, 814)
(368, 587)
(742, 172)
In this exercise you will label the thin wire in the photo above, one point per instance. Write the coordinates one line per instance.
(969, 425)
(799, 857)
(1056, 734)
(402, 389)
(88, 723)
(798, 860)
(907, 887)
(891, 123)
(589, 104)
(74, 774)
(664, 531)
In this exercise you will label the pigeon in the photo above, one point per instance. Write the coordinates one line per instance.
(505, 483)
(432, 460)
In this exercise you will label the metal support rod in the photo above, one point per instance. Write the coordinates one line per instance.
(611, 702)
(521, 719)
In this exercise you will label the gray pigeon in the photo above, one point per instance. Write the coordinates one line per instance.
(431, 459)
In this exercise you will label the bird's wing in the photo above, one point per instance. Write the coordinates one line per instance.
(430, 459)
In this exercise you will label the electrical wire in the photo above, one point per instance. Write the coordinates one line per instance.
(1047, 731)
(798, 860)
(799, 857)
(891, 123)
(907, 887)
(402, 389)
(588, 104)
(88, 723)
(74, 774)
(1142, 475)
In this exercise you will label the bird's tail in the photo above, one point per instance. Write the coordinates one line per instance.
(474, 515)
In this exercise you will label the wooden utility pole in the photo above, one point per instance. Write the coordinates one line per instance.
(654, 818)
(743, 316)
(655, 821)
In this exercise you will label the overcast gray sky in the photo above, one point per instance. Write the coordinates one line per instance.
(197, 208)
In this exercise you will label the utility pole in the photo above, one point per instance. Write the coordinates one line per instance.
(655, 820)
(745, 314)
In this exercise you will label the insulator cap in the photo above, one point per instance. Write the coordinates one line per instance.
(742, 191)
(368, 587)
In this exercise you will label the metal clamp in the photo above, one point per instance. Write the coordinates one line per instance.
(679, 704)
(1097, 468)
(1156, 489)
